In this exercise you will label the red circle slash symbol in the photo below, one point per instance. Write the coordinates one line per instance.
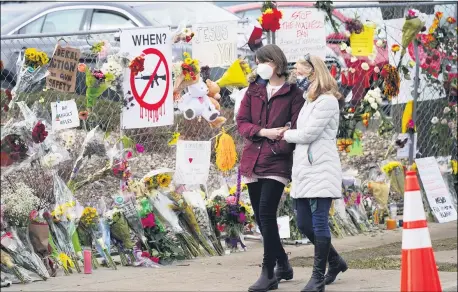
(152, 109)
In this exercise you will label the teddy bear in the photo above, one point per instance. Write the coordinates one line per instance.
(214, 95)
(195, 103)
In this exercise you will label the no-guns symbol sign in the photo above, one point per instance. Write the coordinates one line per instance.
(149, 105)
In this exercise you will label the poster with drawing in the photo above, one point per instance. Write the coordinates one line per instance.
(302, 31)
(148, 88)
(192, 162)
(215, 43)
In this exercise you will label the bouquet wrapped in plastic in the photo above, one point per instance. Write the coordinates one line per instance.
(196, 201)
(104, 228)
(7, 261)
(127, 204)
(91, 224)
(395, 171)
(31, 68)
(22, 255)
(163, 205)
(120, 233)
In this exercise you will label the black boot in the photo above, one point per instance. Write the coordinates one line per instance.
(316, 282)
(336, 265)
(283, 270)
(267, 281)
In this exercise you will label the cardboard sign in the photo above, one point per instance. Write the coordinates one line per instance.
(62, 69)
(148, 95)
(192, 162)
(302, 31)
(436, 191)
(64, 115)
(215, 43)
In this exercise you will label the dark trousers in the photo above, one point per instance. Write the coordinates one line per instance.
(265, 196)
(312, 217)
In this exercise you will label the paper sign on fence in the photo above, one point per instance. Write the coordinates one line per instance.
(302, 31)
(64, 115)
(62, 69)
(215, 43)
(283, 227)
(436, 190)
(404, 151)
(148, 97)
(192, 162)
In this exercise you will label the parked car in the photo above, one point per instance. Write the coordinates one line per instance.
(68, 17)
(334, 54)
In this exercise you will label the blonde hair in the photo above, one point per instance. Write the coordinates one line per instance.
(322, 80)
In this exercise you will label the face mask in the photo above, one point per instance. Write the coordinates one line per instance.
(264, 71)
(300, 77)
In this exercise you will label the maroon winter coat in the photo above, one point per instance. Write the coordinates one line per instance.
(262, 156)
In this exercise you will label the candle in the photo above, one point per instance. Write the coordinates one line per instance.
(391, 224)
(87, 256)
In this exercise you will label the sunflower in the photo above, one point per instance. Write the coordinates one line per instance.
(163, 180)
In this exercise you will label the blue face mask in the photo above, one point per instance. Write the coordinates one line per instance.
(303, 83)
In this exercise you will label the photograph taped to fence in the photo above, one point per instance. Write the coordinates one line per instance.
(148, 82)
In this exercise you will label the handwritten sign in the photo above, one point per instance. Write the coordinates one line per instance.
(64, 115)
(437, 193)
(62, 69)
(215, 43)
(192, 162)
(302, 31)
(363, 43)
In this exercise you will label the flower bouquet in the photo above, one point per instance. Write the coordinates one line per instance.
(104, 227)
(195, 200)
(91, 224)
(21, 255)
(444, 129)
(270, 17)
(286, 208)
(120, 232)
(38, 233)
(163, 205)
(395, 171)
(185, 73)
(17, 203)
(31, 69)
(7, 261)
(97, 83)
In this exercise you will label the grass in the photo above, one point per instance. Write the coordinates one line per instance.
(384, 257)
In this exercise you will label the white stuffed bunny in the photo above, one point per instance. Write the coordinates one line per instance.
(196, 103)
(236, 97)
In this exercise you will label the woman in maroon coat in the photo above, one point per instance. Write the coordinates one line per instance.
(269, 105)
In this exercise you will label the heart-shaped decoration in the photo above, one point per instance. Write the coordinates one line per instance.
(190, 159)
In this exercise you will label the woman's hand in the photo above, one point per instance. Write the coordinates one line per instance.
(282, 132)
(272, 134)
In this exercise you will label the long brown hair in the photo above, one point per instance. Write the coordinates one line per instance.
(322, 80)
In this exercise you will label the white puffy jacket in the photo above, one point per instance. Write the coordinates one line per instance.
(317, 172)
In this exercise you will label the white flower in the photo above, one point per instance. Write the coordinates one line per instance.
(434, 120)
(343, 46)
(379, 43)
(374, 105)
(365, 66)
(444, 121)
(347, 33)
(376, 115)
(451, 125)
(370, 100)
(353, 59)
(18, 202)
(379, 100)
(446, 110)
(348, 50)
(372, 57)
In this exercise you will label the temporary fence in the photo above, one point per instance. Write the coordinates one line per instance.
(430, 99)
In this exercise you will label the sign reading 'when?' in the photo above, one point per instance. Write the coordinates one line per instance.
(63, 69)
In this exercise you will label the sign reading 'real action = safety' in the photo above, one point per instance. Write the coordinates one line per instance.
(62, 69)
(147, 88)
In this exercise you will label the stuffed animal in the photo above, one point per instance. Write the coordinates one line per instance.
(196, 103)
(236, 97)
(214, 95)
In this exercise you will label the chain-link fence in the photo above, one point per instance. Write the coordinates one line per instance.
(433, 96)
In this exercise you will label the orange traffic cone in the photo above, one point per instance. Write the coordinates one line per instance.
(418, 268)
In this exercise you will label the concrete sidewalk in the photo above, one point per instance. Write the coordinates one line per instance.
(237, 271)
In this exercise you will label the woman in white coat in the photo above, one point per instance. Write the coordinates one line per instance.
(317, 173)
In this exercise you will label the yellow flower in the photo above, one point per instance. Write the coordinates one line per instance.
(268, 11)
(188, 61)
(413, 167)
(260, 19)
(233, 190)
(387, 168)
(163, 180)
(186, 55)
(187, 77)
